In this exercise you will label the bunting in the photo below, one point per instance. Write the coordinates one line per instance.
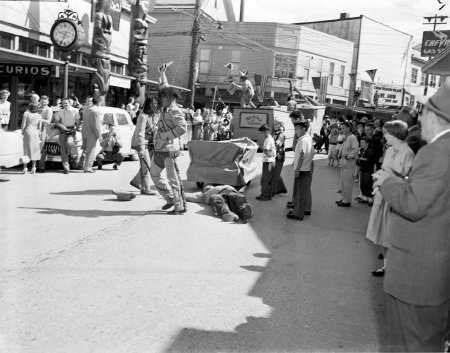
(260, 86)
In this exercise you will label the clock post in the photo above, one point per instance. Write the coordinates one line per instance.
(67, 35)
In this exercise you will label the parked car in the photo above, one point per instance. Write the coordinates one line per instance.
(11, 148)
(116, 116)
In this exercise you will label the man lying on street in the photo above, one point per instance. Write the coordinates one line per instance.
(230, 204)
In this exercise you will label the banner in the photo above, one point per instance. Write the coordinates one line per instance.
(372, 74)
(260, 86)
(316, 82)
(323, 89)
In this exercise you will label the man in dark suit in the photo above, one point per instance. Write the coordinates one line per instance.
(417, 279)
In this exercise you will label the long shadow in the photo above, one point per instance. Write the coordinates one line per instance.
(317, 280)
(82, 192)
(86, 213)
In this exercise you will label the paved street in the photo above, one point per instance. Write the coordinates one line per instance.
(82, 272)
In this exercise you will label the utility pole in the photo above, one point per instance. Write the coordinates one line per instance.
(194, 51)
(434, 23)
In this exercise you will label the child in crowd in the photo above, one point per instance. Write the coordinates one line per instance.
(269, 154)
(340, 143)
(332, 144)
(365, 164)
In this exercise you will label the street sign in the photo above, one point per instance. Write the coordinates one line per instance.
(433, 42)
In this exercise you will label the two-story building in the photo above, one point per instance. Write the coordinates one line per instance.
(379, 50)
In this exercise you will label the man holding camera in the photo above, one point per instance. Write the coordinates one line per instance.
(111, 145)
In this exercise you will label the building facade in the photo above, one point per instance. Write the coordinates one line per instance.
(31, 64)
(376, 47)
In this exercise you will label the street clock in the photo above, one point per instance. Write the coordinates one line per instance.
(67, 34)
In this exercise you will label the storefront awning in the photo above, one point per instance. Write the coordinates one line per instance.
(18, 57)
(439, 65)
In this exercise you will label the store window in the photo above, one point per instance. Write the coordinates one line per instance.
(85, 59)
(32, 46)
(319, 67)
(285, 66)
(414, 74)
(205, 61)
(116, 68)
(432, 80)
(236, 61)
(331, 74)
(342, 76)
(6, 40)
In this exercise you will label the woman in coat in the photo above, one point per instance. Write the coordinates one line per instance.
(398, 159)
(31, 130)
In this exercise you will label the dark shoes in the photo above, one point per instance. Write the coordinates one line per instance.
(66, 171)
(100, 167)
(291, 216)
(40, 170)
(115, 167)
(343, 204)
(168, 205)
(176, 212)
(263, 198)
(378, 273)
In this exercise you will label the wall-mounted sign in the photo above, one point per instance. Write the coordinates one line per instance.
(433, 42)
(253, 120)
(25, 70)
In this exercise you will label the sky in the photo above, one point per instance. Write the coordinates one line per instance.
(404, 15)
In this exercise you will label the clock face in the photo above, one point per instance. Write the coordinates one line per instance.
(64, 34)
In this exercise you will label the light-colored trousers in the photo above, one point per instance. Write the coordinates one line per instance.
(168, 188)
(347, 170)
(88, 156)
(142, 178)
(66, 141)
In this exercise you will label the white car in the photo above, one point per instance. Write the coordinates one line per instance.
(11, 148)
(116, 116)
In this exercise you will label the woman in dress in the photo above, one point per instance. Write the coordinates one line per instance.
(398, 159)
(31, 131)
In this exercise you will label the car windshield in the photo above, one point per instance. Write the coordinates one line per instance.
(122, 119)
(108, 119)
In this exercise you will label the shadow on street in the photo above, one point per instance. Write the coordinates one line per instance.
(317, 282)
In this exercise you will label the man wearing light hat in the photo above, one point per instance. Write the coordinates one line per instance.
(417, 279)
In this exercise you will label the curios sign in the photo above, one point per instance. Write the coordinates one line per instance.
(25, 70)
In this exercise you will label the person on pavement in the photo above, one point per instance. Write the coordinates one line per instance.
(91, 131)
(142, 142)
(46, 115)
(347, 157)
(278, 186)
(303, 171)
(111, 145)
(268, 166)
(398, 159)
(5, 109)
(31, 130)
(418, 257)
(230, 204)
(67, 120)
(413, 139)
(171, 125)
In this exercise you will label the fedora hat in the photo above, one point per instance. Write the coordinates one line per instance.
(439, 103)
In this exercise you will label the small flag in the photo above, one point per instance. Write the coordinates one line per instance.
(372, 73)
(228, 66)
(260, 85)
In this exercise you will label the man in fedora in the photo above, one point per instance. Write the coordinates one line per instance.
(417, 279)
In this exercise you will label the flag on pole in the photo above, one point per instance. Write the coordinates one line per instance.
(260, 86)
(323, 89)
(116, 12)
(228, 66)
(372, 73)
